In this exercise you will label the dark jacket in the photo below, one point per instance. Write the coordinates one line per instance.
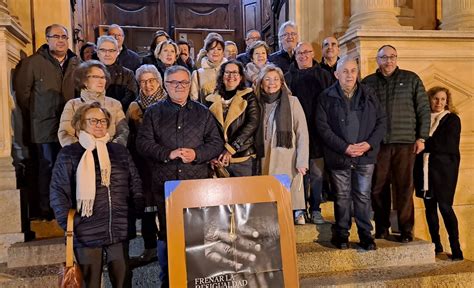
(150, 59)
(281, 59)
(42, 89)
(244, 58)
(122, 86)
(109, 221)
(331, 122)
(443, 165)
(403, 97)
(168, 126)
(129, 59)
(330, 69)
(189, 64)
(307, 85)
(240, 124)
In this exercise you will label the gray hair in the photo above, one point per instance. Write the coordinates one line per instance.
(175, 69)
(115, 26)
(106, 38)
(286, 24)
(48, 29)
(147, 68)
(345, 59)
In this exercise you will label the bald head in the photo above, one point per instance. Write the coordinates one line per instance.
(304, 55)
(330, 50)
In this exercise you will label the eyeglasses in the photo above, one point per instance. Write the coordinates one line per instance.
(95, 121)
(231, 73)
(96, 77)
(148, 81)
(255, 38)
(57, 37)
(286, 35)
(116, 35)
(176, 84)
(386, 58)
(304, 53)
(105, 51)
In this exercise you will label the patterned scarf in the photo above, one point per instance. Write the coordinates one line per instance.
(146, 101)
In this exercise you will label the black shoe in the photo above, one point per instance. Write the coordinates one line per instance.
(438, 248)
(406, 238)
(368, 245)
(340, 244)
(382, 235)
(457, 255)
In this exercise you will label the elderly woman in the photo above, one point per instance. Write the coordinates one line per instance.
(258, 53)
(151, 91)
(91, 79)
(204, 79)
(122, 85)
(166, 54)
(436, 170)
(238, 115)
(282, 139)
(98, 179)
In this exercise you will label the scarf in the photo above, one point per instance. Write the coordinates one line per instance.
(146, 101)
(91, 96)
(85, 175)
(283, 120)
(435, 119)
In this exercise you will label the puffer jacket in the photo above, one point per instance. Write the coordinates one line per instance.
(204, 79)
(168, 126)
(129, 59)
(240, 124)
(109, 221)
(332, 125)
(42, 89)
(122, 86)
(403, 96)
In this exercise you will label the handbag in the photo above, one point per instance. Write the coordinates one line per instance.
(70, 275)
(221, 172)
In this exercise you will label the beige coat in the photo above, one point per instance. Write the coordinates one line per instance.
(118, 129)
(283, 160)
(207, 79)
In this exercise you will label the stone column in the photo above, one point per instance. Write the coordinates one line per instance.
(380, 14)
(12, 40)
(457, 15)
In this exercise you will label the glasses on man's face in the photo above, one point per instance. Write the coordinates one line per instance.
(385, 58)
(57, 37)
(116, 35)
(96, 77)
(287, 35)
(105, 51)
(304, 53)
(95, 121)
(148, 81)
(231, 73)
(176, 84)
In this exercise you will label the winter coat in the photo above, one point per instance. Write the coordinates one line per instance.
(307, 85)
(244, 58)
(129, 59)
(240, 124)
(204, 80)
(189, 64)
(443, 165)
(332, 125)
(281, 59)
(42, 89)
(151, 60)
(109, 221)
(118, 129)
(330, 69)
(403, 97)
(168, 126)
(122, 86)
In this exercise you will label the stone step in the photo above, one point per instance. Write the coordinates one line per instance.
(29, 277)
(442, 273)
(318, 257)
(37, 252)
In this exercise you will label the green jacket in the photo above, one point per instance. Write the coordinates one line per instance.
(42, 89)
(403, 96)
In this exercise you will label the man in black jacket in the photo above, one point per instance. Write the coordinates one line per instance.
(251, 37)
(43, 83)
(307, 81)
(127, 58)
(351, 123)
(180, 137)
(288, 39)
(330, 55)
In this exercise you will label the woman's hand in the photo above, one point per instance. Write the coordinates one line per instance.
(224, 158)
(302, 170)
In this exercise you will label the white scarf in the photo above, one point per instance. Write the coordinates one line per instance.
(435, 118)
(85, 176)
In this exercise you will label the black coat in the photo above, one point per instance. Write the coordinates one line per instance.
(244, 58)
(151, 60)
(281, 59)
(307, 85)
(109, 221)
(168, 126)
(129, 59)
(330, 69)
(331, 122)
(443, 165)
(122, 86)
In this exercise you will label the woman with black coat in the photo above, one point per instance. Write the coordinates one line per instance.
(436, 170)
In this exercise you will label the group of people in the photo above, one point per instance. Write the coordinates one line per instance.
(126, 125)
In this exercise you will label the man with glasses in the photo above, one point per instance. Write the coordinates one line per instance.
(403, 96)
(330, 55)
(179, 136)
(251, 37)
(306, 81)
(43, 83)
(288, 38)
(126, 57)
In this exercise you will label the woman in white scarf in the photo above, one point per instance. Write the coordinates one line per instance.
(98, 178)
(436, 170)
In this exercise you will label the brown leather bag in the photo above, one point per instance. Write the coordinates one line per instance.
(70, 275)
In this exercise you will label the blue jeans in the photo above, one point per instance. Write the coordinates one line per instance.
(353, 185)
(314, 183)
